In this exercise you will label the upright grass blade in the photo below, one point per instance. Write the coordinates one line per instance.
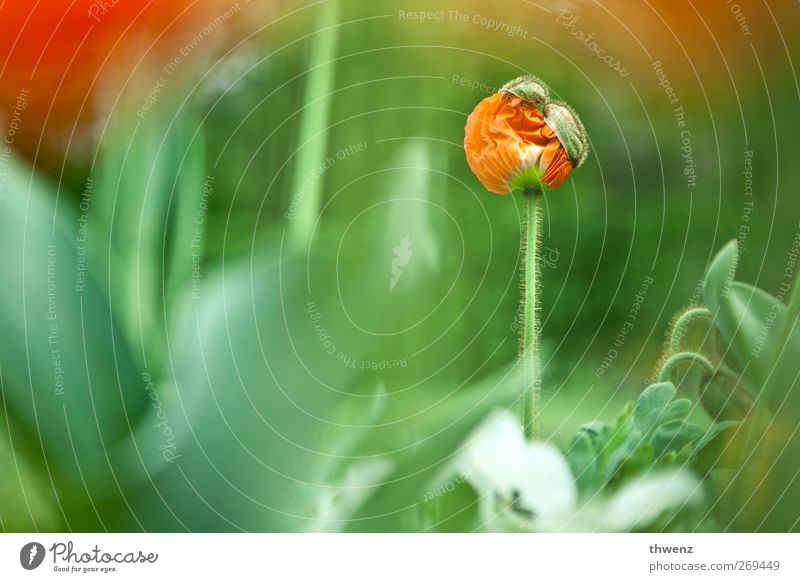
(188, 205)
(147, 189)
(306, 190)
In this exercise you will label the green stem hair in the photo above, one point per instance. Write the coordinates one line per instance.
(683, 323)
(529, 337)
(690, 358)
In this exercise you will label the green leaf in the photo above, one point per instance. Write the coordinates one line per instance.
(622, 426)
(619, 455)
(67, 374)
(253, 386)
(583, 457)
(719, 276)
(640, 459)
(652, 404)
(677, 410)
(658, 427)
(673, 435)
(749, 320)
(189, 199)
(712, 432)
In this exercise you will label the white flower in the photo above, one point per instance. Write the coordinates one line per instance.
(528, 485)
(514, 477)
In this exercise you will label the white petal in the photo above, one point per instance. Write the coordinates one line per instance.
(545, 483)
(638, 502)
(493, 451)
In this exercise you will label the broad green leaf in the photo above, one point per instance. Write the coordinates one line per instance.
(720, 275)
(651, 405)
(619, 436)
(252, 386)
(673, 435)
(67, 374)
(749, 319)
(659, 427)
(677, 410)
(583, 458)
(713, 432)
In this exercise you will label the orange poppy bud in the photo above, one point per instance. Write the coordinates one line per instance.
(519, 139)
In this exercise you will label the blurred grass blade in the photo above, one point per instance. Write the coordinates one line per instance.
(415, 199)
(314, 123)
(188, 212)
(156, 171)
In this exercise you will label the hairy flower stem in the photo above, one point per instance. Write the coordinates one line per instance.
(529, 335)
(681, 327)
(685, 358)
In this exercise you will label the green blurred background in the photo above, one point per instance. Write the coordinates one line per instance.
(245, 234)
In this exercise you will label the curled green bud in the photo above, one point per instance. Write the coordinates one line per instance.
(528, 88)
(569, 129)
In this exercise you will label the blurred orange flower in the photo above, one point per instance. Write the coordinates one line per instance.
(518, 139)
(62, 55)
